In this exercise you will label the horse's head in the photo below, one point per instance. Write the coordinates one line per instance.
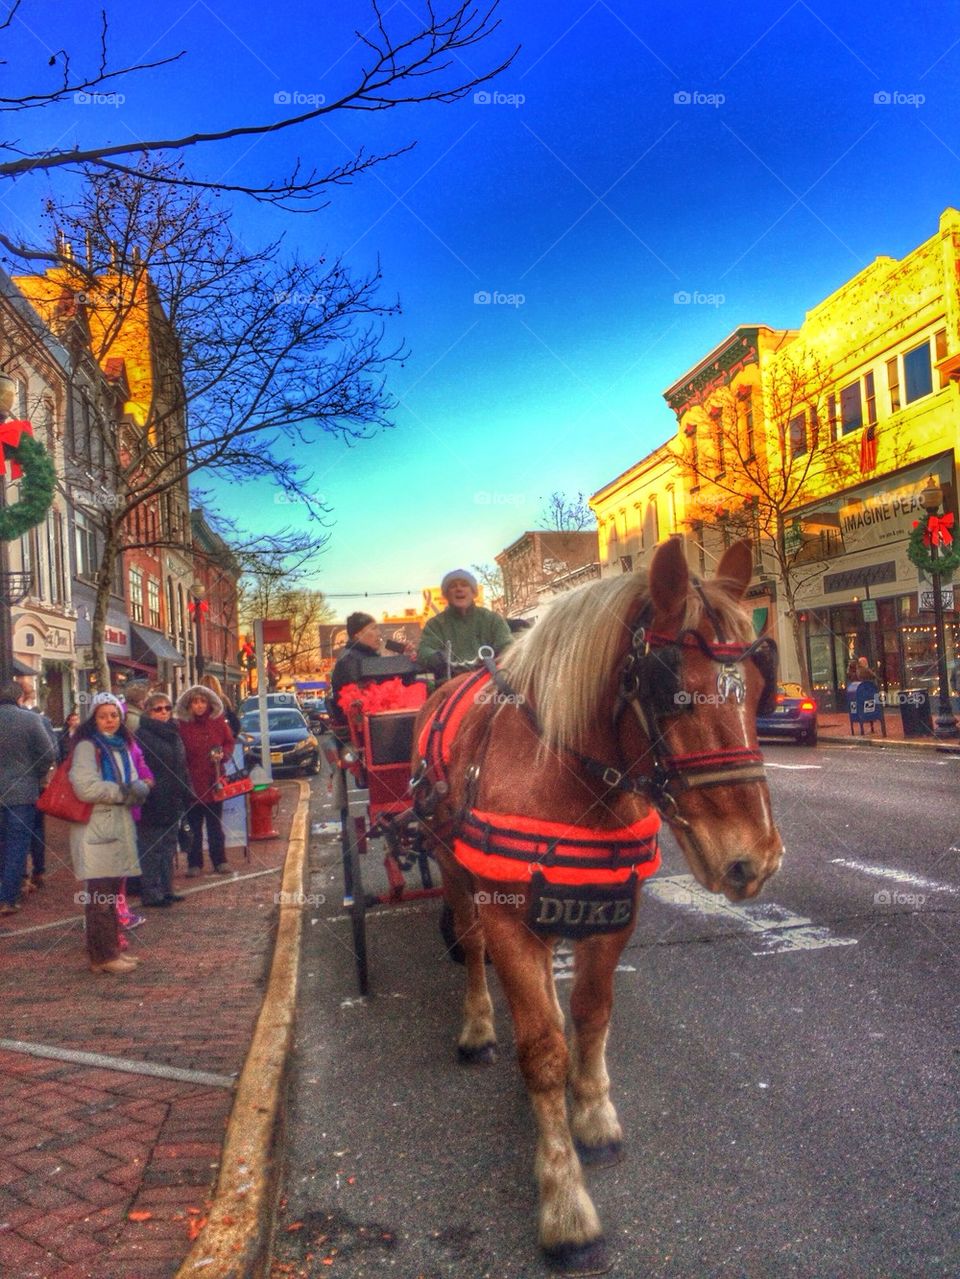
(695, 678)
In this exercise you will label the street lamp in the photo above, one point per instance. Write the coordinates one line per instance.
(198, 606)
(8, 397)
(945, 725)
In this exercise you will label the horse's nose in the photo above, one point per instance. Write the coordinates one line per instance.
(741, 874)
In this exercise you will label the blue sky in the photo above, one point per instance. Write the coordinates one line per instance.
(739, 154)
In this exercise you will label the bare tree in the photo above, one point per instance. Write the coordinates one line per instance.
(410, 59)
(235, 354)
(490, 577)
(306, 610)
(564, 514)
(751, 478)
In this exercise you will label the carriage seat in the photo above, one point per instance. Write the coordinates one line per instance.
(864, 706)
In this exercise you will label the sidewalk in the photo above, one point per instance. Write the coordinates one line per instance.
(834, 726)
(108, 1163)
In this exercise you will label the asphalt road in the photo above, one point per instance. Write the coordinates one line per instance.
(786, 1072)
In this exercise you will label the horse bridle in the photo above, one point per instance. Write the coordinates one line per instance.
(651, 670)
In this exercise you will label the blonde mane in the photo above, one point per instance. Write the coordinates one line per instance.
(564, 665)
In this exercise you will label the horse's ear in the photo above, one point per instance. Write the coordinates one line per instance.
(669, 579)
(736, 567)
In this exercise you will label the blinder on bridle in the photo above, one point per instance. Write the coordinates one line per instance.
(652, 671)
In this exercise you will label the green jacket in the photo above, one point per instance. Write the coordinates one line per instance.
(464, 634)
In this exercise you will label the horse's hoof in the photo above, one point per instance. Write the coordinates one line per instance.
(605, 1156)
(578, 1258)
(479, 1055)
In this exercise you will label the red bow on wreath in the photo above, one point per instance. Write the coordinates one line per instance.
(938, 530)
(201, 606)
(11, 433)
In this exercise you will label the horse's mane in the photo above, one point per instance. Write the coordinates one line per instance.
(563, 666)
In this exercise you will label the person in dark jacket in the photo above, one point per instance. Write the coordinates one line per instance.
(208, 742)
(363, 641)
(26, 755)
(67, 736)
(169, 800)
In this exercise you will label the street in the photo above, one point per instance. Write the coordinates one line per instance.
(785, 1071)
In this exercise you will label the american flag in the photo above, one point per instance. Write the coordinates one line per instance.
(868, 449)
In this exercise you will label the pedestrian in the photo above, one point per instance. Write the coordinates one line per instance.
(37, 851)
(104, 849)
(170, 798)
(67, 735)
(26, 756)
(208, 742)
(865, 671)
(451, 641)
(134, 695)
(229, 714)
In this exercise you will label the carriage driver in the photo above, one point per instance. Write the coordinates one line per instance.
(451, 641)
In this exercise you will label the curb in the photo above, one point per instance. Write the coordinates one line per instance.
(235, 1242)
(929, 744)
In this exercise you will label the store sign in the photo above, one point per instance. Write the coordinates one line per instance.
(927, 600)
(112, 635)
(882, 517)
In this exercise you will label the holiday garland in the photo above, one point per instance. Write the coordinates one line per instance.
(37, 486)
(934, 531)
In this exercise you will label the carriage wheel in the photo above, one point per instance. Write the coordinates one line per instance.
(354, 898)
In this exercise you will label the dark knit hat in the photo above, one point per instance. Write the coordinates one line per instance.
(356, 622)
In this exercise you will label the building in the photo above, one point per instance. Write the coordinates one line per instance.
(215, 609)
(536, 560)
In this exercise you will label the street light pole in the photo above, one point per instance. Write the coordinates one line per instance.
(197, 592)
(8, 396)
(945, 725)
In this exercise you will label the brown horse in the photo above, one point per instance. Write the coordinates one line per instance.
(632, 697)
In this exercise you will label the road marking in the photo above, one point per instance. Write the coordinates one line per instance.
(891, 872)
(777, 929)
(791, 768)
(102, 1062)
(563, 963)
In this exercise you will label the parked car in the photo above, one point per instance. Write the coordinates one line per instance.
(794, 715)
(317, 716)
(273, 699)
(291, 743)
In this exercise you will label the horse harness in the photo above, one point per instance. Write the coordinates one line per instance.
(600, 868)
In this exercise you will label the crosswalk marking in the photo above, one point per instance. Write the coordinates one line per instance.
(776, 929)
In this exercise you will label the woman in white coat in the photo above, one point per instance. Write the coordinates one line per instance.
(103, 772)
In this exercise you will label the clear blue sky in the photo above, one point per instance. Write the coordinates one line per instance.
(598, 197)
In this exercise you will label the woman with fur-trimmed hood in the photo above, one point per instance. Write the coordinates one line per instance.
(208, 742)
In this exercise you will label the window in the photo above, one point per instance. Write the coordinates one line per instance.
(917, 374)
(870, 392)
(798, 435)
(638, 521)
(654, 519)
(153, 602)
(748, 441)
(940, 345)
(719, 438)
(136, 595)
(832, 416)
(88, 557)
(893, 384)
(626, 563)
(851, 410)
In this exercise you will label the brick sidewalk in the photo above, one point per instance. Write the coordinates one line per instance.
(88, 1148)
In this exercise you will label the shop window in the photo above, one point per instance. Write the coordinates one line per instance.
(136, 595)
(851, 408)
(917, 373)
(153, 602)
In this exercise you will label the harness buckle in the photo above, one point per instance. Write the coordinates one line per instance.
(419, 775)
(611, 778)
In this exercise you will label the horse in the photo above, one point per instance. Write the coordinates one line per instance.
(542, 783)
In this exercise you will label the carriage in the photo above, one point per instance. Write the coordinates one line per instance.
(374, 799)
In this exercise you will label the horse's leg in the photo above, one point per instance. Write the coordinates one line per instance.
(570, 1232)
(596, 1128)
(477, 1043)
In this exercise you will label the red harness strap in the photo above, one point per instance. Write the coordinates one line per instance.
(510, 848)
(438, 732)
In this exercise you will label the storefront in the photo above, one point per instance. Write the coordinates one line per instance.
(866, 601)
(44, 644)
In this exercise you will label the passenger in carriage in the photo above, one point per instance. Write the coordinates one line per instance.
(363, 644)
(451, 641)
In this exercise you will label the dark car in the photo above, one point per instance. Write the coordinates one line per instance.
(292, 745)
(794, 715)
(273, 699)
(316, 714)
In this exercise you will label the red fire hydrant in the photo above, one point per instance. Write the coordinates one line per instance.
(264, 806)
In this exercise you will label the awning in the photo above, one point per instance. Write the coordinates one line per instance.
(151, 646)
(311, 685)
(21, 668)
(130, 665)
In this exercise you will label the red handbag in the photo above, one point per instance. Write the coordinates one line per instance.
(58, 798)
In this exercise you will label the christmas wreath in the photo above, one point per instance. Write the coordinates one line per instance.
(934, 532)
(31, 464)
